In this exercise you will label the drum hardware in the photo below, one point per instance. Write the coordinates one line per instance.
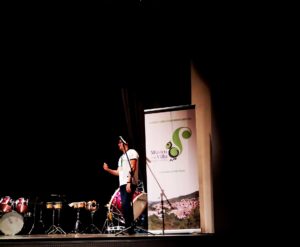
(92, 206)
(41, 225)
(28, 214)
(115, 229)
(78, 206)
(109, 227)
(110, 216)
(114, 208)
(53, 229)
(114, 213)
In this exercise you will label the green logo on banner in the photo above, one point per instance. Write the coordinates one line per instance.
(175, 147)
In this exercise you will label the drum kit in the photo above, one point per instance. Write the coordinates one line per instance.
(14, 212)
(12, 215)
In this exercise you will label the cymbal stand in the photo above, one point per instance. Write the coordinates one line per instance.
(117, 215)
(41, 225)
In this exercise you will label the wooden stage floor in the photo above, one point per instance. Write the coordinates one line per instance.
(139, 239)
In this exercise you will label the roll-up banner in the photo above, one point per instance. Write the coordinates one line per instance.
(172, 175)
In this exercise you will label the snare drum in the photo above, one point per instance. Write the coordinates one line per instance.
(11, 223)
(6, 204)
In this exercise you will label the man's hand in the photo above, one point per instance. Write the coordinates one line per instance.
(105, 166)
(128, 187)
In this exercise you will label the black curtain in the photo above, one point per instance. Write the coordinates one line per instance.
(135, 126)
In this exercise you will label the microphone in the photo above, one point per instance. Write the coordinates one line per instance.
(121, 138)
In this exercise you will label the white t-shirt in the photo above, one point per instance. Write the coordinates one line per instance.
(124, 167)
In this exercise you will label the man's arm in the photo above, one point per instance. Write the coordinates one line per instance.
(113, 172)
(133, 164)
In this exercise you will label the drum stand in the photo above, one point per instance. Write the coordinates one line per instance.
(92, 228)
(78, 222)
(55, 229)
(41, 223)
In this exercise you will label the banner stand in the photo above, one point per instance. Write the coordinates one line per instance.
(171, 152)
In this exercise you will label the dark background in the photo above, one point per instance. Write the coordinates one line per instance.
(62, 107)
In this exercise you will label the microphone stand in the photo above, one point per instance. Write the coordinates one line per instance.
(131, 171)
(162, 194)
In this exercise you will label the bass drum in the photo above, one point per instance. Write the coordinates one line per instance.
(139, 202)
(11, 223)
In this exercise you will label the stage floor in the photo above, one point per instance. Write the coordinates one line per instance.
(93, 236)
(77, 236)
(139, 239)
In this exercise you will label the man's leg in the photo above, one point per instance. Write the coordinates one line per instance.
(127, 206)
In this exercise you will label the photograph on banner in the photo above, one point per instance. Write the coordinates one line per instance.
(172, 170)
